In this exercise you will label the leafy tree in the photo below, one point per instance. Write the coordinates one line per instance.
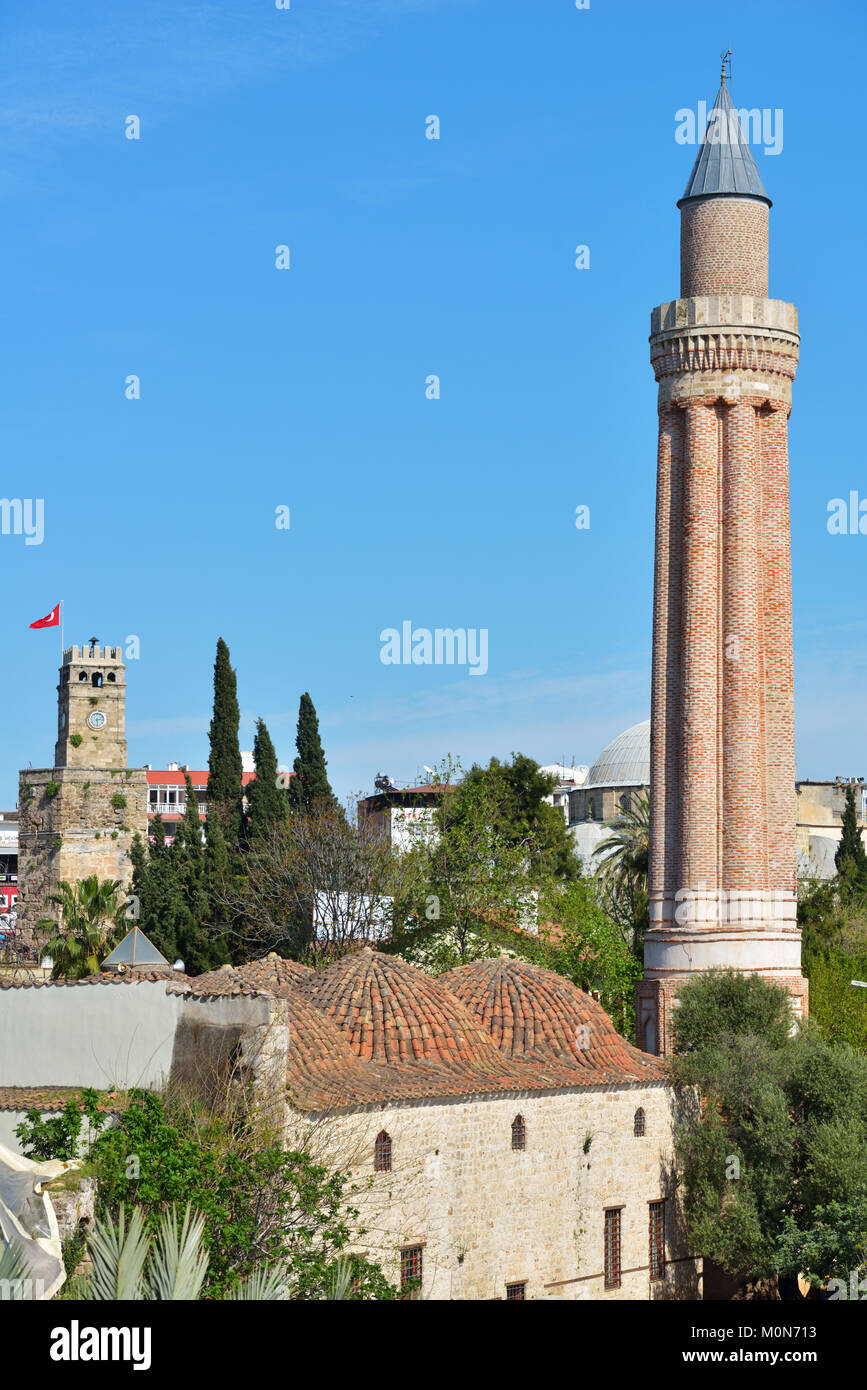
(720, 1004)
(225, 769)
(262, 1205)
(465, 880)
(267, 803)
(515, 793)
(576, 939)
(781, 1133)
(93, 917)
(836, 1006)
(310, 783)
(851, 856)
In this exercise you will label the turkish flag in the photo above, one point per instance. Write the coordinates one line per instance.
(51, 619)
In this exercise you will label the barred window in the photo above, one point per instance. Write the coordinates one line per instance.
(515, 1291)
(382, 1153)
(639, 1127)
(411, 1271)
(612, 1248)
(519, 1133)
(657, 1239)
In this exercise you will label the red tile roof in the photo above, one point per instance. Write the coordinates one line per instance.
(538, 1017)
(271, 972)
(54, 1098)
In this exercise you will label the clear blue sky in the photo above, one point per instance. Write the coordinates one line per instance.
(307, 387)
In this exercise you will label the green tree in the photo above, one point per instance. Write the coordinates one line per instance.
(225, 776)
(780, 1135)
(155, 886)
(262, 1204)
(578, 940)
(267, 804)
(851, 856)
(92, 919)
(310, 783)
(465, 880)
(721, 1004)
(199, 938)
(515, 795)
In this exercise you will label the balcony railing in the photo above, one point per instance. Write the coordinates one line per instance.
(173, 808)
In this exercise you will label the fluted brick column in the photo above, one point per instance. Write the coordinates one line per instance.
(778, 661)
(743, 782)
(700, 648)
(665, 721)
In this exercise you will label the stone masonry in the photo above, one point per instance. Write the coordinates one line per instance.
(79, 817)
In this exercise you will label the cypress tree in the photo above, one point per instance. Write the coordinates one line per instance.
(224, 762)
(851, 857)
(310, 783)
(155, 886)
(266, 802)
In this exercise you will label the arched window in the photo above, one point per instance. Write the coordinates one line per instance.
(82, 676)
(112, 677)
(382, 1153)
(519, 1133)
(626, 802)
(96, 678)
(638, 1125)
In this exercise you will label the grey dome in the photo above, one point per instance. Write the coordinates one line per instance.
(625, 762)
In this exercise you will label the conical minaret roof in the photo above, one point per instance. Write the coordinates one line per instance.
(724, 165)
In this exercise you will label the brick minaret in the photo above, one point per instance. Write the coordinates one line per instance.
(722, 835)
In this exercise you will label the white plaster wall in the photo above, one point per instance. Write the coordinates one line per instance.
(103, 1035)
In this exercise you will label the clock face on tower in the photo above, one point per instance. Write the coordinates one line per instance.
(96, 719)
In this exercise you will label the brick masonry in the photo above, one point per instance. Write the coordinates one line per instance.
(722, 841)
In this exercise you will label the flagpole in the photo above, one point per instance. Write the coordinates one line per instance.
(61, 632)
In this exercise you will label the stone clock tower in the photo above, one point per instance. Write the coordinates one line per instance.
(90, 708)
(79, 817)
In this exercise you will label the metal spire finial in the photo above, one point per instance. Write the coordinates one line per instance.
(726, 57)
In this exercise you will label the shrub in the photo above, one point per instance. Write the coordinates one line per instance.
(59, 1136)
(75, 740)
(118, 801)
(51, 789)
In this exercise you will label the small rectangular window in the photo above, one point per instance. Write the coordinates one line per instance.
(515, 1291)
(411, 1271)
(657, 1240)
(612, 1248)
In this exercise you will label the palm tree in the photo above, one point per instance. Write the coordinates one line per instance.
(92, 916)
(622, 875)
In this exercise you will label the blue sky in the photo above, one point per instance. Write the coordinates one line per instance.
(306, 388)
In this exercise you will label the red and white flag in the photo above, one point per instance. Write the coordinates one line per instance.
(51, 619)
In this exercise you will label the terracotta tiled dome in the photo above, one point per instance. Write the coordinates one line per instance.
(391, 1012)
(270, 972)
(535, 1015)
